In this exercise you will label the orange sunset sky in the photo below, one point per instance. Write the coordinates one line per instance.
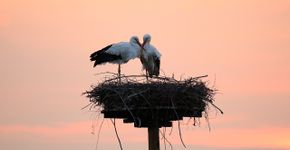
(243, 45)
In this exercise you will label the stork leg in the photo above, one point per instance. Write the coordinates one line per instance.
(119, 72)
(146, 75)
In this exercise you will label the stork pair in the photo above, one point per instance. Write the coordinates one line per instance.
(122, 52)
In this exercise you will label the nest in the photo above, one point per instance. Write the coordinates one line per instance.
(151, 102)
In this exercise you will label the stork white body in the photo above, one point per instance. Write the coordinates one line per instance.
(150, 57)
(118, 53)
(125, 50)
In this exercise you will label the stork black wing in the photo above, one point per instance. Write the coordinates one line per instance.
(157, 66)
(94, 55)
(105, 57)
(101, 56)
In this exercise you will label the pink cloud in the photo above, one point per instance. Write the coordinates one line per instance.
(270, 137)
(52, 131)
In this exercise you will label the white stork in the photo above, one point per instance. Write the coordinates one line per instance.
(150, 57)
(118, 53)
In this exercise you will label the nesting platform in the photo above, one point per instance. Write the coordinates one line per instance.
(151, 103)
(152, 117)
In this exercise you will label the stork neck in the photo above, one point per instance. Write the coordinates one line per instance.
(139, 50)
(147, 43)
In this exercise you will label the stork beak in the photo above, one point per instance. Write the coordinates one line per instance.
(141, 45)
(138, 42)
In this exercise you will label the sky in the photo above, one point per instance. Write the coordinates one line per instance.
(243, 46)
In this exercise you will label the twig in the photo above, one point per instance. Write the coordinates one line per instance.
(95, 122)
(135, 94)
(87, 105)
(200, 77)
(207, 120)
(180, 134)
(216, 107)
(164, 137)
(125, 105)
(99, 132)
(116, 132)
(179, 130)
(138, 76)
(194, 121)
(101, 73)
(171, 129)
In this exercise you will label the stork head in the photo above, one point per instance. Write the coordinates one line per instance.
(146, 39)
(135, 40)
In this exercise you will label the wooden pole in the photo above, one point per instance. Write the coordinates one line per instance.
(153, 138)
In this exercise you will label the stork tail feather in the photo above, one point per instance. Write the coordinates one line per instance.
(157, 66)
(94, 55)
(101, 56)
(105, 57)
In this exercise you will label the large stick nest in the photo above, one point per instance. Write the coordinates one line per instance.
(153, 102)
(137, 92)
